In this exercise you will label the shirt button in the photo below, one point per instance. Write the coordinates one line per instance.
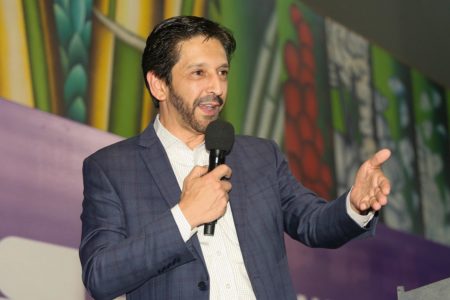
(202, 286)
(228, 286)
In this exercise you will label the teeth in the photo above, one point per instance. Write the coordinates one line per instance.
(209, 106)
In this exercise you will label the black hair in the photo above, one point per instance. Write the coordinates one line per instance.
(162, 49)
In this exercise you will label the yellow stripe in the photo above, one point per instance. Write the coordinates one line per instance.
(135, 16)
(138, 18)
(199, 6)
(15, 78)
(172, 8)
(101, 70)
(102, 5)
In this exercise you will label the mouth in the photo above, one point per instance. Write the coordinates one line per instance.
(210, 107)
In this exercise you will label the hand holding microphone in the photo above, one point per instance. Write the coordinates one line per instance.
(219, 139)
(205, 195)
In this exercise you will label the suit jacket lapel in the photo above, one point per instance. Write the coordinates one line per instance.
(158, 164)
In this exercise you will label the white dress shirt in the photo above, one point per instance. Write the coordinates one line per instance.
(222, 253)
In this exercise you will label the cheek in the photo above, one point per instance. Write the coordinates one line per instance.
(193, 91)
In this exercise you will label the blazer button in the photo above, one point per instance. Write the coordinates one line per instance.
(202, 286)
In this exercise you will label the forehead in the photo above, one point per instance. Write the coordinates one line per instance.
(200, 48)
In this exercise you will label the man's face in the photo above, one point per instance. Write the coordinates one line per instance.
(199, 84)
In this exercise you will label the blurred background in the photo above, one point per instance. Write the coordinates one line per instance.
(330, 82)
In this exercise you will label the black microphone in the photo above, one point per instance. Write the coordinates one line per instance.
(219, 139)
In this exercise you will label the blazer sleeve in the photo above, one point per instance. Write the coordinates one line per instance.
(313, 220)
(114, 262)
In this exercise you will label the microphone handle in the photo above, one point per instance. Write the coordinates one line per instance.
(216, 158)
(208, 228)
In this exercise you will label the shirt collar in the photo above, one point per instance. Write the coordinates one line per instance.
(167, 138)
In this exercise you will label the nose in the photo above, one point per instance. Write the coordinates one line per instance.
(217, 85)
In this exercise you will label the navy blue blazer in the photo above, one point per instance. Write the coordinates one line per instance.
(131, 244)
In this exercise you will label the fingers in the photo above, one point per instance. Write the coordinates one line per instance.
(385, 186)
(197, 171)
(368, 204)
(378, 202)
(374, 202)
(380, 157)
(371, 187)
(371, 196)
(220, 172)
(204, 196)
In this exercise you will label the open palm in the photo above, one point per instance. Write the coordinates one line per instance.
(371, 187)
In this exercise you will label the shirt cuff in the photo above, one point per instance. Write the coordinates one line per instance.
(361, 220)
(183, 225)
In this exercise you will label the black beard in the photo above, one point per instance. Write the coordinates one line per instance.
(188, 115)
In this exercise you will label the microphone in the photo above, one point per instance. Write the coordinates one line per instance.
(219, 139)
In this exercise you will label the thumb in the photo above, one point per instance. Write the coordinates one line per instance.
(197, 171)
(380, 157)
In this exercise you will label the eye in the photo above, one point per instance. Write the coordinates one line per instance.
(198, 73)
(223, 73)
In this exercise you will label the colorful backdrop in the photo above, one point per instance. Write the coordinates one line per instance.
(328, 96)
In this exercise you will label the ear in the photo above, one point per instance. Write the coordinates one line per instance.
(158, 87)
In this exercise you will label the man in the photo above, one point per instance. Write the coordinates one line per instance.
(146, 198)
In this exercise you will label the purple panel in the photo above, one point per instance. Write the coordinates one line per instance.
(41, 192)
(41, 157)
(368, 269)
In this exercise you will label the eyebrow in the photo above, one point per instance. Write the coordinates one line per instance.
(191, 66)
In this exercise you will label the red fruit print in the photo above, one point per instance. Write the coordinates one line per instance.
(319, 144)
(304, 140)
(292, 142)
(310, 102)
(311, 162)
(306, 76)
(296, 16)
(292, 91)
(304, 34)
(306, 127)
(291, 60)
(307, 58)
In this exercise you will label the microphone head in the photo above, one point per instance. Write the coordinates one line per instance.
(219, 135)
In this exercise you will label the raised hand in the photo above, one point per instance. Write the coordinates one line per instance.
(371, 187)
(205, 196)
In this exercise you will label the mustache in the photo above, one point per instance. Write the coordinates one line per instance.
(209, 98)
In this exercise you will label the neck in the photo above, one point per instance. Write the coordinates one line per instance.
(188, 136)
(193, 141)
